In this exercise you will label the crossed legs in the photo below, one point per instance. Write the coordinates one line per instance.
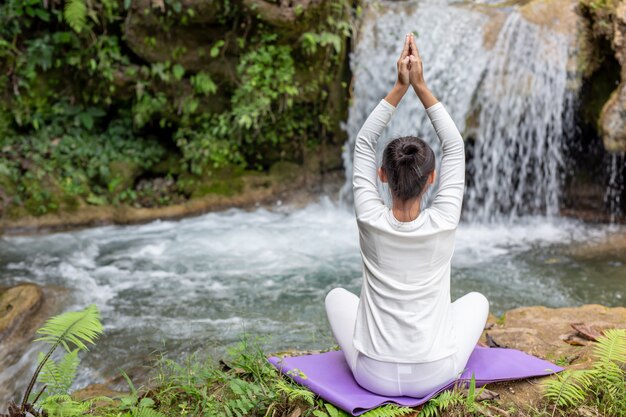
(469, 314)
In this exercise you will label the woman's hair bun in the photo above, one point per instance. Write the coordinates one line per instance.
(409, 149)
(407, 153)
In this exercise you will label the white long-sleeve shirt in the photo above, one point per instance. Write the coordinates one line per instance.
(404, 312)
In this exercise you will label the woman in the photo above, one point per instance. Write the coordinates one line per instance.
(403, 336)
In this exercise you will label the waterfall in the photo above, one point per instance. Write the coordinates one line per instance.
(512, 98)
(615, 188)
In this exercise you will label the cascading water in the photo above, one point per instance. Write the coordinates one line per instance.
(514, 102)
(615, 188)
(453, 68)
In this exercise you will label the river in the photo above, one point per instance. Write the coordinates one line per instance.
(199, 284)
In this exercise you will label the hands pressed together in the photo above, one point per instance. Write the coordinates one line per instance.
(410, 73)
(410, 68)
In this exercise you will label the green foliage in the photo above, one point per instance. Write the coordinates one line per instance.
(59, 376)
(603, 386)
(76, 164)
(74, 98)
(73, 331)
(134, 406)
(74, 328)
(443, 401)
(62, 405)
(75, 14)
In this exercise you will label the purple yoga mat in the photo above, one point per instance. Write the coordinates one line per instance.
(328, 375)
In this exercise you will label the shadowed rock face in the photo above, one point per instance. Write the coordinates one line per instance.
(613, 116)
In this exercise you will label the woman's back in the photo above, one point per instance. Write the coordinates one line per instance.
(404, 311)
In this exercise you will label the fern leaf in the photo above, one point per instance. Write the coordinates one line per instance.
(59, 376)
(429, 409)
(570, 388)
(389, 410)
(76, 327)
(147, 412)
(611, 346)
(294, 393)
(64, 406)
(75, 14)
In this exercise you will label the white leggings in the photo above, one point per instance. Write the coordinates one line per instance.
(469, 315)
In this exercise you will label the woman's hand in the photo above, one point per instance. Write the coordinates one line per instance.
(416, 75)
(416, 69)
(403, 63)
(403, 82)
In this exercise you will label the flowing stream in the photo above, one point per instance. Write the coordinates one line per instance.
(199, 284)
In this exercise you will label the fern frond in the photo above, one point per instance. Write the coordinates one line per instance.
(611, 346)
(75, 14)
(147, 412)
(76, 327)
(429, 409)
(388, 410)
(444, 400)
(64, 406)
(570, 388)
(294, 393)
(59, 376)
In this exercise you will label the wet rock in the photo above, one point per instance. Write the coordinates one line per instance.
(23, 309)
(17, 304)
(559, 15)
(605, 24)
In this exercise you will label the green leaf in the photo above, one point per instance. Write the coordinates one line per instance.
(59, 377)
(215, 49)
(75, 14)
(77, 328)
(86, 119)
(178, 71)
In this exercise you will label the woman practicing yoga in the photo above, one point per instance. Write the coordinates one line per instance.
(404, 336)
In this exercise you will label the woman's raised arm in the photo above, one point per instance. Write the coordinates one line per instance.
(367, 200)
(449, 198)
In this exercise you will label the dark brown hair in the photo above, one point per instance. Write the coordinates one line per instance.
(408, 161)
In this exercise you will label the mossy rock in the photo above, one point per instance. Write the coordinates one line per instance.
(124, 174)
(225, 181)
(171, 165)
(285, 171)
(8, 189)
(42, 196)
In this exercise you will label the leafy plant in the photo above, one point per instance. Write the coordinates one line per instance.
(603, 386)
(72, 331)
(134, 406)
